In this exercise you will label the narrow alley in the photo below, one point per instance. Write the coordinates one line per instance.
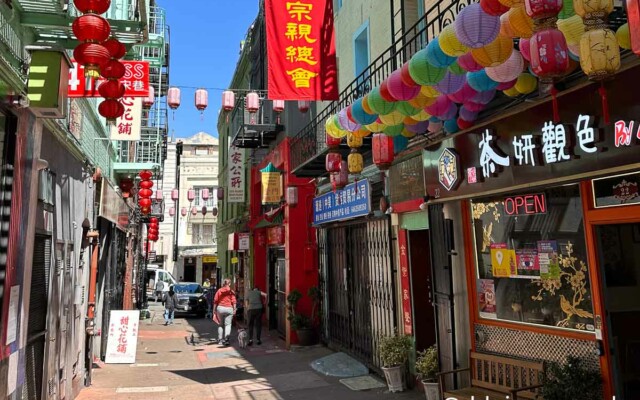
(169, 366)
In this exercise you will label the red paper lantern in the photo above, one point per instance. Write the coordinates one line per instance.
(93, 56)
(549, 54)
(145, 210)
(204, 210)
(91, 28)
(145, 193)
(154, 220)
(493, 7)
(332, 142)
(113, 69)
(116, 49)
(383, 153)
(332, 162)
(463, 124)
(406, 76)
(384, 92)
(539, 9)
(92, 6)
(144, 202)
(111, 109)
(146, 184)
(304, 105)
(145, 175)
(153, 231)
(111, 89)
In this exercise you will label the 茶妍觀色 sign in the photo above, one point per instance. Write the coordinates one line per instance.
(351, 202)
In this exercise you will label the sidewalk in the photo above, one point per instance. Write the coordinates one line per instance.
(168, 366)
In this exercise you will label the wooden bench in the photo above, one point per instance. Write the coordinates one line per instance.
(496, 377)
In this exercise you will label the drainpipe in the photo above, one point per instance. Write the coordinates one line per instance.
(91, 310)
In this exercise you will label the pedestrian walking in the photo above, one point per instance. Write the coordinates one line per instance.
(170, 301)
(159, 289)
(224, 307)
(206, 284)
(256, 304)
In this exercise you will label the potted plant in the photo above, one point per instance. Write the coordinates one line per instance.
(394, 352)
(427, 368)
(302, 324)
(572, 380)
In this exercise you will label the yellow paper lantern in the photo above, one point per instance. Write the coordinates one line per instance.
(353, 141)
(521, 23)
(409, 121)
(505, 26)
(511, 92)
(572, 28)
(421, 116)
(365, 105)
(623, 36)
(599, 53)
(393, 118)
(362, 133)
(495, 53)
(587, 8)
(375, 127)
(355, 162)
(421, 101)
(429, 91)
(526, 83)
(449, 43)
(407, 134)
(334, 129)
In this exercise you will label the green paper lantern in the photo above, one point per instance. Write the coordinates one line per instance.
(406, 109)
(378, 104)
(422, 72)
(455, 68)
(393, 130)
(567, 10)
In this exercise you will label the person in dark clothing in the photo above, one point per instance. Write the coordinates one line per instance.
(170, 301)
(255, 304)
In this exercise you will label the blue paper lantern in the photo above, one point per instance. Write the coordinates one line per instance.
(436, 56)
(480, 81)
(360, 115)
(451, 126)
(400, 143)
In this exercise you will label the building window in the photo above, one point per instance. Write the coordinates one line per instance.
(361, 52)
(532, 259)
(203, 234)
(199, 202)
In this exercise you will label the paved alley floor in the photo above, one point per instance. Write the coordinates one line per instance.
(168, 366)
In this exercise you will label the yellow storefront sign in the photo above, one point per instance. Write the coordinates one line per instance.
(271, 179)
(234, 260)
(209, 259)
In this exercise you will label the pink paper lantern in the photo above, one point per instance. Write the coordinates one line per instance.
(150, 98)
(525, 48)
(475, 28)
(508, 70)
(451, 113)
(420, 127)
(175, 194)
(183, 211)
(202, 99)
(228, 100)
(252, 102)
(473, 106)
(278, 106)
(467, 114)
(173, 98)
(440, 106)
(398, 89)
(435, 126)
(464, 94)
(159, 194)
(468, 63)
(172, 211)
(303, 106)
(205, 194)
(191, 194)
(507, 85)
(194, 210)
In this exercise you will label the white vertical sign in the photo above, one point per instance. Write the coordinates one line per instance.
(123, 337)
(235, 187)
(128, 126)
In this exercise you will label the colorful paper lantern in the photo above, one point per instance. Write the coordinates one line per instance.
(465, 93)
(354, 141)
(345, 122)
(484, 97)
(437, 57)
(450, 113)
(507, 85)
(464, 124)
(440, 106)
(435, 126)
(480, 81)
(384, 91)
(468, 63)
(406, 75)
(423, 115)
(512, 92)
(525, 48)
(473, 106)
(449, 43)
(541, 9)
(455, 68)
(360, 115)
(467, 114)
(398, 89)
(451, 83)
(407, 133)
(393, 118)
(599, 53)
(393, 130)
(400, 143)
(420, 127)
(451, 126)
(623, 36)
(365, 104)
(362, 132)
(382, 151)
(406, 109)
(572, 28)
(521, 24)
(421, 101)
(549, 54)
(429, 91)
(379, 105)
(475, 28)
(507, 71)
(567, 10)
(423, 72)
(355, 162)
(526, 83)
(332, 162)
(493, 7)
(377, 126)
(495, 53)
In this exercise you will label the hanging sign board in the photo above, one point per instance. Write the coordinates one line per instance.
(135, 80)
(122, 341)
(351, 202)
(235, 191)
(271, 179)
(128, 126)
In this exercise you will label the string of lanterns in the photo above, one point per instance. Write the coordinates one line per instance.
(153, 229)
(492, 46)
(145, 192)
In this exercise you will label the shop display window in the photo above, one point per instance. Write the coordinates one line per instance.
(531, 259)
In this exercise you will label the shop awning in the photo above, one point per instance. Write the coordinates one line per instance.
(276, 217)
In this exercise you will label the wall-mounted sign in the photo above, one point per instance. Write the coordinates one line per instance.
(351, 202)
(243, 241)
(525, 204)
(234, 260)
(406, 180)
(619, 190)
(128, 126)
(113, 207)
(271, 178)
(123, 337)
(209, 259)
(405, 284)
(235, 184)
(275, 236)
(448, 169)
(135, 80)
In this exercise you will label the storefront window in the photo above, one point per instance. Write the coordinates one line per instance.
(532, 259)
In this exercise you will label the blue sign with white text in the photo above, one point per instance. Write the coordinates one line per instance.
(351, 202)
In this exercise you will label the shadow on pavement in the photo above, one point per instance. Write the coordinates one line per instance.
(215, 374)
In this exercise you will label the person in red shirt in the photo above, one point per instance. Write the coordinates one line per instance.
(224, 307)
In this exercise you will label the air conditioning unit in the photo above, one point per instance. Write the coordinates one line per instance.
(48, 81)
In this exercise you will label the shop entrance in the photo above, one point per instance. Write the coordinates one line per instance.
(277, 299)
(421, 289)
(618, 251)
(189, 270)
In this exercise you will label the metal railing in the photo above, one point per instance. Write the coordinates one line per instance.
(143, 151)
(310, 141)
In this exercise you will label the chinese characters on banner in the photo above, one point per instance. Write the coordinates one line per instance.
(128, 126)
(301, 50)
(135, 80)
(123, 337)
(407, 317)
(271, 179)
(235, 191)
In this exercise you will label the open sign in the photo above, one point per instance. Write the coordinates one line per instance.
(526, 204)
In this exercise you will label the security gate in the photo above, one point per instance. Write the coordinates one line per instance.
(357, 283)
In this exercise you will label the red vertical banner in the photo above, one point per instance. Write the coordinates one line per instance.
(301, 50)
(405, 283)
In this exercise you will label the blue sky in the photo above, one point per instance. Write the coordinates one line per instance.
(205, 45)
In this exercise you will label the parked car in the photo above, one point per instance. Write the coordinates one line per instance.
(191, 299)
(155, 274)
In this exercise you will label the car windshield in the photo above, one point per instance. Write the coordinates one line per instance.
(187, 288)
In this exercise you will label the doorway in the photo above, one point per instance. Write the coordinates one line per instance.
(421, 289)
(618, 252)
(189, 270)
(277, 296)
